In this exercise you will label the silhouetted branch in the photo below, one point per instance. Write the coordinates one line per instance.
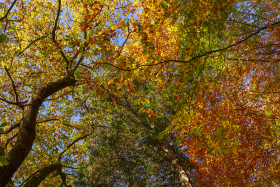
(68, 146)
(54, 35)
(11, 128)
(31, 43)
(198, 56)
(9, 10)
(14, 88)
(47, 120)
(37, 177)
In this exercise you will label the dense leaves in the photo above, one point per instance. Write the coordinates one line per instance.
(127, 147)
(125, 75)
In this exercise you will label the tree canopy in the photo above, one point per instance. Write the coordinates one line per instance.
(115, 92)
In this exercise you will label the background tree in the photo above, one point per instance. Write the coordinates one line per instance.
(219, 84)
(215, 62)
(127, 146)
(227, 125)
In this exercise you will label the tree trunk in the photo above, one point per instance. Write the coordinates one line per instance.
(27, 134)
(178, 165)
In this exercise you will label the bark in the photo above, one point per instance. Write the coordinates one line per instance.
(27, 134)
(179, 166)
(40, 175)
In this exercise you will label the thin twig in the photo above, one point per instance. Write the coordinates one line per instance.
(31, 43)
(68, 146)
(48, 120)
(198, 56)
(10, 139)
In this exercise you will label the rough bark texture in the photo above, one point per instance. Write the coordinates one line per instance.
(27, 134)
(40, 175)
(179, 166)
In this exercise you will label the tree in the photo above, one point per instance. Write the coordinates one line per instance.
(225, 114)
(52, 54)
(42, 53)
(127, 146)
(230, 123)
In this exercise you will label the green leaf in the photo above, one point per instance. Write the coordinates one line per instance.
(78, 75)
(3, 161)
(4, 124)
(3, 37)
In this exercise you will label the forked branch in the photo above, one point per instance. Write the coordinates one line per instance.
(9, 10)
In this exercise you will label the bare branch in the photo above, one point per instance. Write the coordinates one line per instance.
(47, 120)
(67, 125)
(63, 178)
(69, 167)
(54, 36)
(78, 63)
(68, 146)
(198, 56)
(34, 41)
(9, 10)
(14, 88)
(59, 96)
(8, 102)
(27, 131)
(11, 128)
(254, 60)
(128, 31)
(56, 20)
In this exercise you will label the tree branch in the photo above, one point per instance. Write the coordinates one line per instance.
(67, 125)
(59, 96)
(14, 87)
(31, 43)
(68, 146)
(6, 15)
(63, 178)
(56, 20)
(27, 132)
(11, 128)
(37, 177)
(10, 139)
(54, 35)
(198, 56)
(47, 120)
(8, 102)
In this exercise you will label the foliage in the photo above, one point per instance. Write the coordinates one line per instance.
(214, 62)
(127, 147)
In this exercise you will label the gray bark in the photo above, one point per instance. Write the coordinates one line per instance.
(178, 165)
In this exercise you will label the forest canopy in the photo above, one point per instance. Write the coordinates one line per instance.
(139, 92)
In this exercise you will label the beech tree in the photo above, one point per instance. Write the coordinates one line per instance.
(43, 47)
(127, 146)
(215, 62)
